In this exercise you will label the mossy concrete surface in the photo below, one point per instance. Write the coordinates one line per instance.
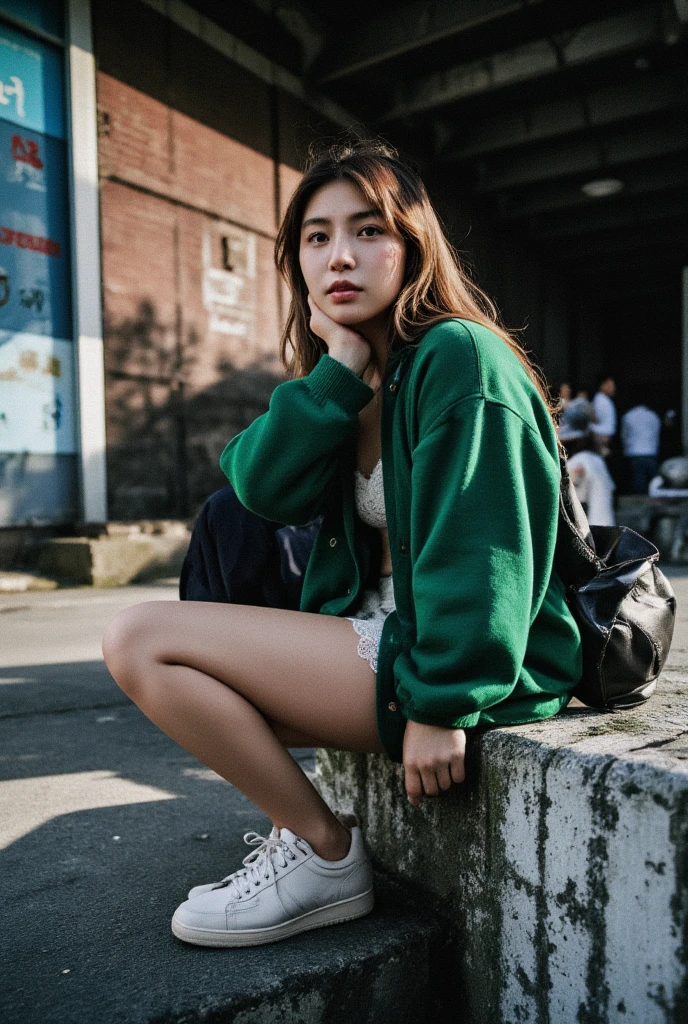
(560, 867)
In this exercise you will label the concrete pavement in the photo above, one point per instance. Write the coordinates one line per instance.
(104, 825)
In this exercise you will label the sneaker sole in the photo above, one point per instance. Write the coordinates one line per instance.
(334, 913)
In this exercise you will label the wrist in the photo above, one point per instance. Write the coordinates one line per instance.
(332, 381)
(354, 361)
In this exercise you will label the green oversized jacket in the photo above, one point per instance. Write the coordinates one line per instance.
(482, 635)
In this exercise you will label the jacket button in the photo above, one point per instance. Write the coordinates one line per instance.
(348, 590)
(403, 547)
(392, 706)
(333, 542)
(393, 388)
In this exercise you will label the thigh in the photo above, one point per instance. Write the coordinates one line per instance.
(301, 670)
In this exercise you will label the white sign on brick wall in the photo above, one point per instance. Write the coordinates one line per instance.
(229, 279)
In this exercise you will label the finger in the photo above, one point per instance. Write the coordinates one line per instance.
(429, 782)
(414, 786)
(443, 777)
(458, 770)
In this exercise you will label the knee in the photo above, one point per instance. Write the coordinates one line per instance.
(127, 646)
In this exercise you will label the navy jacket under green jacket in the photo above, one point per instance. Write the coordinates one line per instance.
(482, 634)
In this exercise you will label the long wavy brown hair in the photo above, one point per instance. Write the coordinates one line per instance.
(435, 286)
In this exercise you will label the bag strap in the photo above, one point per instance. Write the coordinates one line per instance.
(575, 557)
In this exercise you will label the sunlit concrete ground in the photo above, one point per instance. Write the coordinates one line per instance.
(104, 822)
(104, 825)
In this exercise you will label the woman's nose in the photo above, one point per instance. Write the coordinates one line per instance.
(341, 257)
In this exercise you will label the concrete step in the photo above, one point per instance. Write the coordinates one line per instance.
(382, 969)
(117, 554)
(16, 582)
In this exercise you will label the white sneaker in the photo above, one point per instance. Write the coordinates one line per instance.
(284, 888)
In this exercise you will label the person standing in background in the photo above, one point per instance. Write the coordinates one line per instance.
(604, 427)
(565, 395)
(640, 432)
(588, 470)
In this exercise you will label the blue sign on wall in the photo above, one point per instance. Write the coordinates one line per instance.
(34, 234)
(31, 93)
(37, 399)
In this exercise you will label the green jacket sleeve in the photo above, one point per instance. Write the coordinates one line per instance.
(282, 465)
(483, 528)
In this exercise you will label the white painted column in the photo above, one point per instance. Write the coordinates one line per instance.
(684, 382)
(86, 286)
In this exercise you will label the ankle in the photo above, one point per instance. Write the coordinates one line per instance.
(332, 845)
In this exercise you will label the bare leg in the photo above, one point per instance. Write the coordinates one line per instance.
(235, 684)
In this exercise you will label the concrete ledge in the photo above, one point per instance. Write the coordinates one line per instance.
(19, 582)
(114, 560)
(561, 864)
(661, 520)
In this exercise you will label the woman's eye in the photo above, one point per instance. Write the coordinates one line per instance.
(317, 236)
(372, 228)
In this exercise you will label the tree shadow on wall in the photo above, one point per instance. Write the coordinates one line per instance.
(164, 434)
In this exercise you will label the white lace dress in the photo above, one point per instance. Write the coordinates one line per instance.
(378, 603)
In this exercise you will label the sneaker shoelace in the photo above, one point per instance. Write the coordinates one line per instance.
(257, 862)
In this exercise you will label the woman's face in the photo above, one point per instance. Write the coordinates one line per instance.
(352, 264)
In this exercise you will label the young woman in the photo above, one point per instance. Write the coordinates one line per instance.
(416, 427)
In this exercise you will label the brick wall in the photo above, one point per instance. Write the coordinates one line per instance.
(198, 158)
(191, 192)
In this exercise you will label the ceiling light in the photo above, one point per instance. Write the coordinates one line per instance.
(601, 187)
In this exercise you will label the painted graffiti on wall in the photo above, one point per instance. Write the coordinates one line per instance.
(36, 394)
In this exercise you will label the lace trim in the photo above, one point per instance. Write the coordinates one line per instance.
(370, 632)
(370, 497)
(377, 605)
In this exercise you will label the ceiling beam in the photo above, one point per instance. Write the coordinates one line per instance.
(302, 23)
(412, 26)
(631, 276)
(624, 242)
(611, 215)
(597, 40)
(659, 137)
(639, 179)
(235, 49)
(521, 126)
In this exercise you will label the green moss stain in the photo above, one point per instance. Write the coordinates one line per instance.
(543, 947)
(453, 850)
(595, 1010)
(678, 832)
(619, 723)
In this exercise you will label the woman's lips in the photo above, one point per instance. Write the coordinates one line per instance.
(344, 294)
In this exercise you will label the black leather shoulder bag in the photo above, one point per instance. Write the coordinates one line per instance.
(622, 601)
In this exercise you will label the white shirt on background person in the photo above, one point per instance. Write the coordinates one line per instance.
(594, 487)
(640, 430)
(605, 410)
